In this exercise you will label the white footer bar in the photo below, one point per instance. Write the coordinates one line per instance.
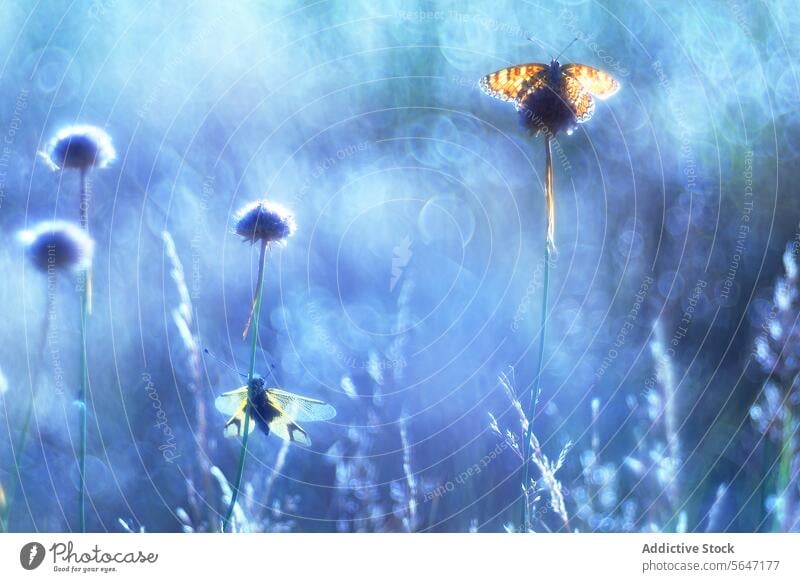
(379, 557)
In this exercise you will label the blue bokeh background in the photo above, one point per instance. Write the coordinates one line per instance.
(415, 276)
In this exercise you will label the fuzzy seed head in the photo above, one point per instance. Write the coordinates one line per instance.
(80, 147)
(58, 245)
(264, 221)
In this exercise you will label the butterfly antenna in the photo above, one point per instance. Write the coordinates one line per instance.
(227, 365)
(536, 41)
(565, 48)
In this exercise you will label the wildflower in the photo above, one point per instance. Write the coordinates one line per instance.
(51, 246)
(58, 245)
(550, 98)
(79, 147)
(268, 223)
(546, 111)
(264, 221)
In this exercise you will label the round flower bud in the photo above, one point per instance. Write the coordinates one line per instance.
(80, 147)
(58, 245)
(264, 221)
(547, 111)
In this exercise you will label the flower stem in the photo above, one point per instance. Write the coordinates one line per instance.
(84, 404)
(84, 222)
(537, 388)
(84, 203)
(26, 424)
(250, 374)
(787, 476)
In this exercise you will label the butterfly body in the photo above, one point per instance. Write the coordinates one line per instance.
(554, 73)
(551, 97)
(272, 410)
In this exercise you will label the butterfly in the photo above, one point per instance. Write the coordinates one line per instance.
(272, 410)
(544, 89)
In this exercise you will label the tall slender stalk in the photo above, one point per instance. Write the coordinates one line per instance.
(787, 477)
(250, 374)
(84, 202)
(184, 316)
(86, 298)
(537, 388)
(3, 510)
(84, 214)
(17, 452)
(26, 424)
(84, 404)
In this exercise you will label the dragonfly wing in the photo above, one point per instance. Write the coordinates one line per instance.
(234, 403)
(231, 402)
(301, 408)
(287, 429)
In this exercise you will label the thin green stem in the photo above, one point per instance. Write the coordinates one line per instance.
(250, 374)
(3, 510)
(84, 202)
(768, 483)
(22, 441)
(84, 404)
(786, 480)
(537, 388)
(84, 396)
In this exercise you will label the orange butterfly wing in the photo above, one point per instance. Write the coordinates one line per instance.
(597, 82)
(578, 99)
(515, 83)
